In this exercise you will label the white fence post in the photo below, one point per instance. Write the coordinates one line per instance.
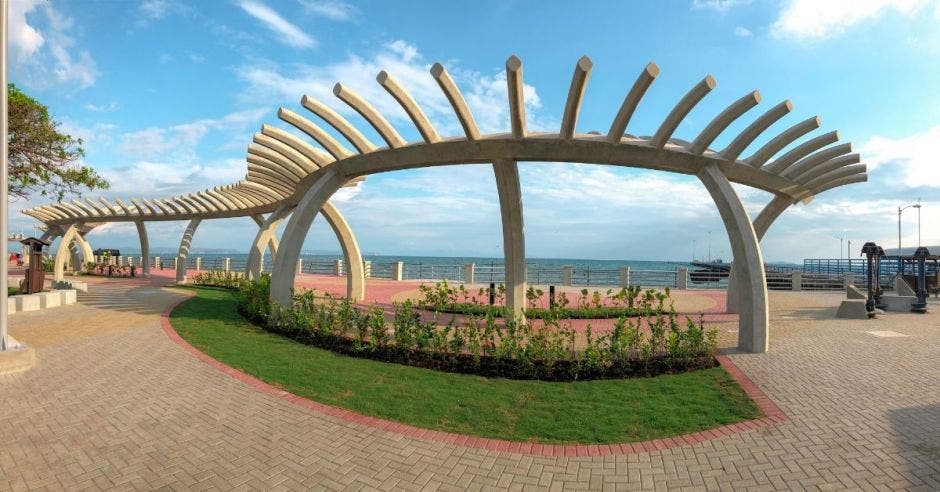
(300, 266)
(682, 278)
(226, 264)
(567, 273)
(338, 267)
(469, 271)
(797, 281)
(398, 270)
(624, 276)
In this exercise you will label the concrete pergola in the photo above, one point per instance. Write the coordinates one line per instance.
(291, 179)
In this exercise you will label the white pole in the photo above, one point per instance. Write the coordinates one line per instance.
(4, 166)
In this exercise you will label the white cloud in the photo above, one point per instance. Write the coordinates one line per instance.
(486, 94)
(717, 5)
(742, 32)
(814, 20)
(154, 9)
(49, 57)
(289, 34)
(24, 39)
(336, 10)
(106, 108)
(914, 157)
(180, 142)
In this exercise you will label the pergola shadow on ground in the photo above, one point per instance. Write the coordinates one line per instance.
(291, 179)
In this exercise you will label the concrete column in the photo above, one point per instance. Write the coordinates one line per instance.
(367, 269)
(682, 278)
(176, 264)
(338, 267)
(469, 271)
(352, 256)
(624, 276)
(198, 263)
(762, 223)
(567, 273)
(226, 264)
(265, 238)
(510, 206)
(156, 261)
(183, 255)
(398, 270)
(796, 281)
(300, 266)
(144, 248)
(753, 321)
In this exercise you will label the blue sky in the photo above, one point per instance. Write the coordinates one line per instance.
(167, 95)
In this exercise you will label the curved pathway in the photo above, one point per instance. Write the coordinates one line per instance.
(113, 403)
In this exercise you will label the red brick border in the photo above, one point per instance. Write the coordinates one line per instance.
(772, 415)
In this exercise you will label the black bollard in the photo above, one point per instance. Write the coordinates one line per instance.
(492, 293)
(551, 297)
(920, 305)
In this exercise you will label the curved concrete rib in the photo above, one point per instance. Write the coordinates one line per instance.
(336, 149)
(314, 158)
(295, 166)
(680, 111)
(425, 128)
(456, 99)
(855, 178)
(789, 135)
(619, 126)
(830, 165)
(753, 320)
(355, 269)
(569, 121)
(516, 97)
(372, 115)
(746, 137)
(811, 162)
(510, 205)
(183, 255)
(720, 122)
(355, 137)
(783, 162)
(833, 175)
(265, 238)
(144, 248)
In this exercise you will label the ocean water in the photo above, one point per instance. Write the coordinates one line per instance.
(539, 270)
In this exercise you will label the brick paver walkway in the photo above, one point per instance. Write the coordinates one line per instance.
(113, 403)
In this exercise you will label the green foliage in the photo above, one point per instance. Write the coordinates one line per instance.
(479, 344)
(41, 159)
(600, 411)
(218, 278)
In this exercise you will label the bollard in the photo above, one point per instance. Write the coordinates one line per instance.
(682, 278)
(338, 267)
(551, 297)
(133, 271)
(226, 264)
(300, 266)
(198, 263)
(398, 270)
(469, 270)
(796, 283)
(567, 273)
(158, 262)
(492, 293)
(624, 276)
(176, 262)
(367, 269)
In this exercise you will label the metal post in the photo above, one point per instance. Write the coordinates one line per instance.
(920, 305)
(4, 202)
(492, 293)
(870, 250)
(551, 297)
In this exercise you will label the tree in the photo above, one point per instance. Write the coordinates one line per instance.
(43, 160)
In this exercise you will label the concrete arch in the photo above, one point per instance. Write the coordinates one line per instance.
(510, 206)
(767, 216)
(183, 255)
(64, 252)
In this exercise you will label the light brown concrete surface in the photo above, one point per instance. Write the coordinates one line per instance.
(113, 403)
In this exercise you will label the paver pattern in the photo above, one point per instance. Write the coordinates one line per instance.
(113, 403)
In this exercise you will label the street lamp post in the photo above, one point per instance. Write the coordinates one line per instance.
(901, 209)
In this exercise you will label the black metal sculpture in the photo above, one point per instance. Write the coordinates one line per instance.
(920, 256)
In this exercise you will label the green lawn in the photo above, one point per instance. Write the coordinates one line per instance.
(604, 411)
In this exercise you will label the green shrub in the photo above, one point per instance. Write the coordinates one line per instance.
(479, 344)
